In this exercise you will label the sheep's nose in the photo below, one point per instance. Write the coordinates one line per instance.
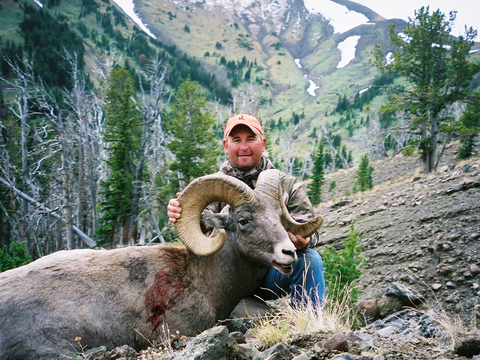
(288, 252)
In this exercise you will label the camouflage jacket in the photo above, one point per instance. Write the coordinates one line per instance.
(294, 195)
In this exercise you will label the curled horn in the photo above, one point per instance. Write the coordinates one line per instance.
(193, 200)
(269, 183)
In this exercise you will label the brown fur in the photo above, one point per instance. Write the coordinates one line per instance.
(168, 288)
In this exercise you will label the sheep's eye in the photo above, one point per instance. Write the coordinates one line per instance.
(243, 222)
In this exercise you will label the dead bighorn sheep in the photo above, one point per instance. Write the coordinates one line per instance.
(126, 296)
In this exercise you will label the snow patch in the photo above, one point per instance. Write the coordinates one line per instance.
(297, 62)
(340, 17)
(128, 7)
(363, 90)
(347, 49)
(311, 89)
(389, 58)
(38, 3)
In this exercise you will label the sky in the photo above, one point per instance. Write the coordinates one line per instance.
(343, 19)
(467, 10)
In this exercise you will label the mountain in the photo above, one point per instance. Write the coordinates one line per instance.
(305, 61)
(293, 63)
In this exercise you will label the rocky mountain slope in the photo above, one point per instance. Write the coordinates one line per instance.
(419, 230)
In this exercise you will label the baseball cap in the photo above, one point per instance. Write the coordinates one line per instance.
(243, 119)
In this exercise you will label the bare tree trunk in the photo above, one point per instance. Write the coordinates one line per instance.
(151, 108)
(43, 208)
(433, 143)
(23, 90)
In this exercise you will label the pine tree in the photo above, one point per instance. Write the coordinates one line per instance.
(17, 256)
(193, 144)
(342, 269)
(364, 179)
(437, 71)
(469, 125)
(314, 191)
(122, 131)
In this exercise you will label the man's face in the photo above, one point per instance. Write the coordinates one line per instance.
(244, 148)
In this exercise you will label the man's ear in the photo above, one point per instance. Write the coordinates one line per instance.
(219, 221)
(225, 146)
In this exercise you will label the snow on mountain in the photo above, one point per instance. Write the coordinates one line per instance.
(340, 17)
(347, 48)
(128, 8)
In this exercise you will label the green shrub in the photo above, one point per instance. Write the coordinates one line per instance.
(342, 269)
(15, 257)
(408, 150)
(364, 179)
(333, 185)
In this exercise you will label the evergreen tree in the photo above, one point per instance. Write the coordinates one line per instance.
(438, 74)
(342, 269)
(469, 127)
(193, 145)
(314, 191)
(364, 179)
(14, 257)
(122, 131)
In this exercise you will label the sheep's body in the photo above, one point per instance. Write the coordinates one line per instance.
(130, 295)
(45, 305)
(121, 296)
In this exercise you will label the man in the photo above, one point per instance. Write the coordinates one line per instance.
(244, 145)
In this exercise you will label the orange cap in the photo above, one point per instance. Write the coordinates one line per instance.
(243, 119)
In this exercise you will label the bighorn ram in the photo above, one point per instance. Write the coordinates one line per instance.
(126, 296)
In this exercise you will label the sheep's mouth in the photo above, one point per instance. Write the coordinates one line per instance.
(282, 268)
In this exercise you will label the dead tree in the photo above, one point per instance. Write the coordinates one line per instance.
(86, 120)
(22, 111)
(151, 107)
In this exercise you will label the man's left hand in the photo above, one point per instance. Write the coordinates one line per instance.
(298, 241)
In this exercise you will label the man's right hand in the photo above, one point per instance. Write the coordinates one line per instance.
(174, 210)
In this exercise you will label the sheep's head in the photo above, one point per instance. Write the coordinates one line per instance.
(258, 219)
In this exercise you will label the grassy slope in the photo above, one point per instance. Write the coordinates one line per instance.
(281, 80)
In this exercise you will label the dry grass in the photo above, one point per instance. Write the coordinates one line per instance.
(450, 324)
(301, 319)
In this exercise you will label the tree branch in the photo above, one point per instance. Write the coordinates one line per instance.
(90, 242)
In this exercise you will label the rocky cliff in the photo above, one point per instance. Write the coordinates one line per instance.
(419, 230)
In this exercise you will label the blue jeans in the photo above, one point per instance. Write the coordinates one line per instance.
(305, 283)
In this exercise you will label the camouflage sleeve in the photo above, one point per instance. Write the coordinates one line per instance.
(213, 208)
(299, 205)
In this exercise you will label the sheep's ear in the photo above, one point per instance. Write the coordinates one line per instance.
(218, 221)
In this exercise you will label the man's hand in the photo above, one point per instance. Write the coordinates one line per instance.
(174, 210)
(298, 241)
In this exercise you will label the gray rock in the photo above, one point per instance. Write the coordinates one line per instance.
(340, 203)
(96, 353)
(400, 322)
(436, 286)
(276, 352)
(404, 294)
(468, 346)
(302, 356)
(337, 342)
(213, 344)
(474, 269)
